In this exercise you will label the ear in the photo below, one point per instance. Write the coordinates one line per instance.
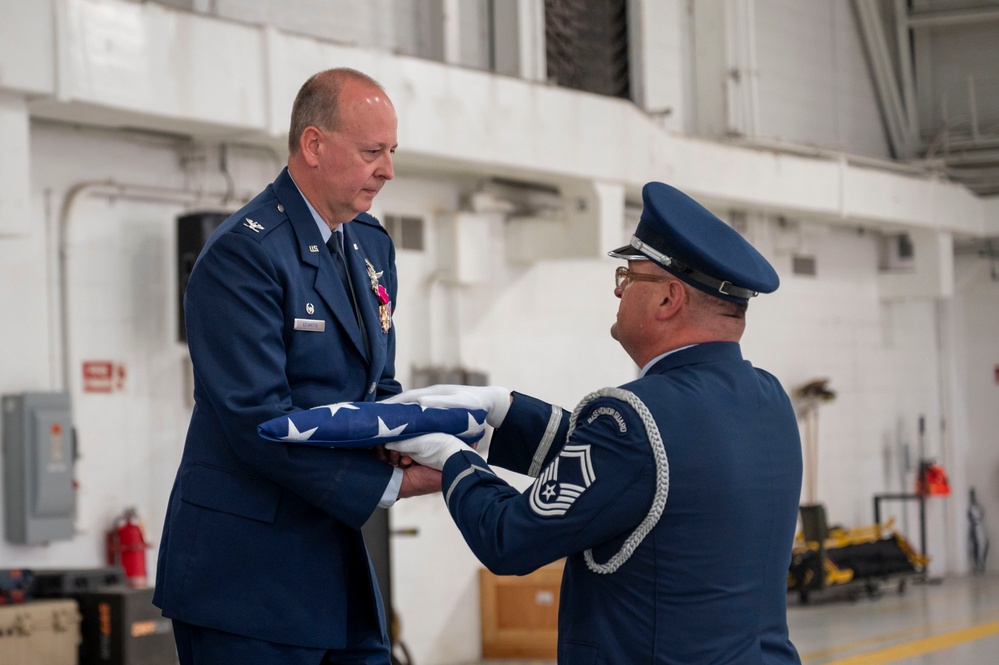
(309, 144)
(673, 298)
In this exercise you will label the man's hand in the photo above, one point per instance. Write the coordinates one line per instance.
(419, 480)
(392, 457)
(493, 399)
(431, 450)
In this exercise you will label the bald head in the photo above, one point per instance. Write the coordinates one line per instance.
(318, 102)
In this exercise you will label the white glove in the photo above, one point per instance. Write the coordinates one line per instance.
(495, 400)
(431, 450)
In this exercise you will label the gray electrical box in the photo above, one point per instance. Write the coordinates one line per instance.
(38, 458)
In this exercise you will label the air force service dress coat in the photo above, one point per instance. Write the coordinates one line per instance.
(674, 498)
(263, 539)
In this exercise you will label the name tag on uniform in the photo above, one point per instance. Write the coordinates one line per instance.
(312, 325)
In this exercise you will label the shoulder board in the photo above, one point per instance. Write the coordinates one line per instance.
(369, 220)
(260, 221)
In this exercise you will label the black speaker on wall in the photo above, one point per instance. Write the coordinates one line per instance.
(193, 231)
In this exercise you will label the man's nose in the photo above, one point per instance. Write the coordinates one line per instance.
(385, 168)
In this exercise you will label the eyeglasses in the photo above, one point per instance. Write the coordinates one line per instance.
(622, 275)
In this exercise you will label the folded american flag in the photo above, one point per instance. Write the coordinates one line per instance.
(368, 424)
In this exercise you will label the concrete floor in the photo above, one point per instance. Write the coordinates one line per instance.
(952, 621)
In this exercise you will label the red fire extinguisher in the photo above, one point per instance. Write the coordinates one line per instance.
(932, 479)
(127, 548)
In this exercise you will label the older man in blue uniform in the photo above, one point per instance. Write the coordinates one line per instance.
(289, 307)
(674, 497)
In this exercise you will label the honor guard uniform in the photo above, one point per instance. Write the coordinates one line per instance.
(674, 497)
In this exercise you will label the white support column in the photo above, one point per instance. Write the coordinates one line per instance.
(740, 32)
(931, 274)
(464, 246)
(658, 58)
(27, 42)
(15, 191)
(589, 225)
(531, 28)
(708, 106)
(724, 35)
(463, 260)
(519, 39)
(451, 16)
(954, 439)
(608, 200)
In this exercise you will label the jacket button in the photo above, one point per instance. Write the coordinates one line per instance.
(280, 208)
(371, 389)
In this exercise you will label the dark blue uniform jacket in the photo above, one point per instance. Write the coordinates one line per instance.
(263, 539)
(674, 498)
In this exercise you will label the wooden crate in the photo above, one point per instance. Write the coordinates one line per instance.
(40, 632)
(520, 613)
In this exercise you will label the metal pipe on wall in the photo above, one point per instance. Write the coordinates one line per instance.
(113, 190)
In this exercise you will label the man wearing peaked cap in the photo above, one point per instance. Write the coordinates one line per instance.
(674, 497)
(685, 239)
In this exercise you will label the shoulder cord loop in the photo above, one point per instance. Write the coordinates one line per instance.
(662, 478)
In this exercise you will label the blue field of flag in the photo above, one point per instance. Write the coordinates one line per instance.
(367, 424)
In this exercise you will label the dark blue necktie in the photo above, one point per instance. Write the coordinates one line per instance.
(335, 245)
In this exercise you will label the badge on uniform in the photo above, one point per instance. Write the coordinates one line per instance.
(384, 304)
(311, 325)
(565, 479)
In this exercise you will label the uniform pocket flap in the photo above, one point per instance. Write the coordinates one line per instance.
(218, 489)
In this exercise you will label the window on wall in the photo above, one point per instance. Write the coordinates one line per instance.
(406, 231)
(586, 45)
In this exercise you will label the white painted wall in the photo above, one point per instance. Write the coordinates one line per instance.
(402, 26)
(120, 307)
(814, 85)
(540, 326)
(780, 70)
(976, 423)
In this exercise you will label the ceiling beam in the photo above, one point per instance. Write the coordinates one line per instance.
(893, 107)
(903, 43)
(918, 20)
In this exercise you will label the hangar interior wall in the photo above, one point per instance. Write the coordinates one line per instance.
(540, 327)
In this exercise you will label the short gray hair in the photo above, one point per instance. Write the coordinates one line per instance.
(318, 102)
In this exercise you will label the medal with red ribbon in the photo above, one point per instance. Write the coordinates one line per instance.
(384, 304)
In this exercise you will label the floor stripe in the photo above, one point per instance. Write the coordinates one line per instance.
(922, 646)
(822, 654)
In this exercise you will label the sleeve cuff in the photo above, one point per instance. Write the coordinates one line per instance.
(391, 494)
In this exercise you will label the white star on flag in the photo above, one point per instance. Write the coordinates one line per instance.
(363, 424)
(383, 429)
(423, 407)
(336, 407)
(473, 427)
(295, 435)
